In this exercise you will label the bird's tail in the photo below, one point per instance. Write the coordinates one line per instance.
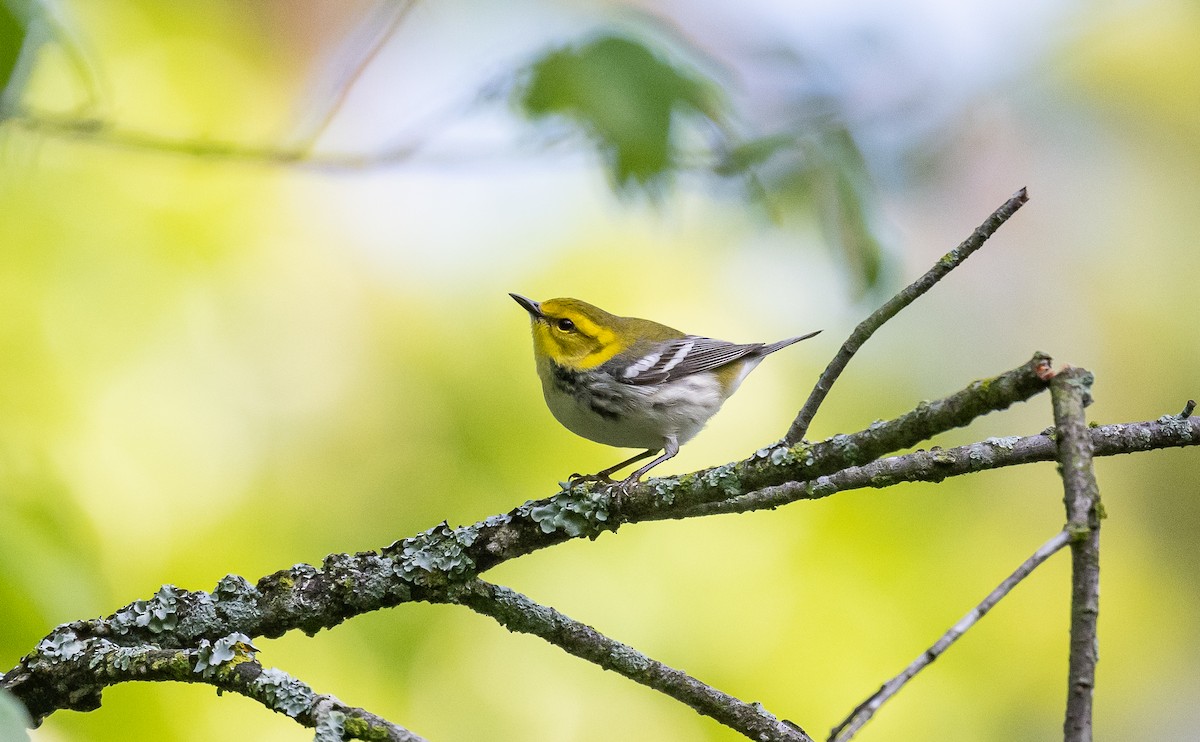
(772, 347)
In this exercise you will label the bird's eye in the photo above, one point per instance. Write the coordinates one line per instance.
(566, 325)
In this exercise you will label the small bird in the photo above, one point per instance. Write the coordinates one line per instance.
(633, 383)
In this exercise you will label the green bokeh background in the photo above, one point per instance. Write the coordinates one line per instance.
(220, 365)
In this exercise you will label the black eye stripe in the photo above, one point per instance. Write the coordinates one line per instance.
(566, 325)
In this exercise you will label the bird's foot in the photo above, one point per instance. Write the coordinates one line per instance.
(578, 478)
(618, 490)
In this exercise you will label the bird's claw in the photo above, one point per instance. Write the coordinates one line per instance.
(578, 478)
(615, 489)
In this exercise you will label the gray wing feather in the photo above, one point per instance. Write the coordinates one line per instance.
(687, 355)
(691, 354)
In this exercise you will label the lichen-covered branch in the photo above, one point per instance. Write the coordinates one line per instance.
(70, 672)
(865, 711)
(585, 510)
(937, 464)
(1070, 393)
(518, 613)
(428, 566)
(914, 291)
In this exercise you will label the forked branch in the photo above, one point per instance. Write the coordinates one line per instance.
(892, 307)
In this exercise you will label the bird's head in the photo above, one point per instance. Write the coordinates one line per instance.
(573, 333)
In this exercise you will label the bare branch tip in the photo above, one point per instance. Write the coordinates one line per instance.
(1188, 409)
(1022, 194)
(1043, 366)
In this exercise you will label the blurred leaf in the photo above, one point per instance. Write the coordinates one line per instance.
(816, 170)
(747, 155)
(848, 212)
(624, 97)
(12, 37)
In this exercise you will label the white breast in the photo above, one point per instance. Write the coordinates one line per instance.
(631, 416)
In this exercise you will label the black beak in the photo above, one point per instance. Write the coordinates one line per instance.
(531, 306)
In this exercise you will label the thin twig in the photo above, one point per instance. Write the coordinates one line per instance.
(381, 25)
(1188, 409)
(867, 709)
(43, 22)
(518, 613)
(404, 149)
(1070, 392)
(867, 327)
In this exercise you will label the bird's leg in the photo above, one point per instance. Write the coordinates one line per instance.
(603, 474)
(669, 449)
(617, 491)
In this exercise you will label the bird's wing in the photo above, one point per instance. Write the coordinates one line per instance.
(673, 359)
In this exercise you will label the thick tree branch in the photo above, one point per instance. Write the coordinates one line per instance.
(1071, 392)
(866, 710)
(518, 613)
(70, 672)
(938, 464)
(914, 291)
(427, 566)
(585, 509)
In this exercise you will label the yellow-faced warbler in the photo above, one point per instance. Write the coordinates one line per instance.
(633, 383)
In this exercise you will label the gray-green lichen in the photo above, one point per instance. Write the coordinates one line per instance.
(579, 512)
(629, 659)
(436, 556)
(196, 614)
(1007, 442)
(665, 491)
(365, 579)
(215, 654)
(284, 692)
(846, 449)
(820, 487)
(495, 521)
(330, 727)
(158, 614)
(724, 478)
(939, 455)
(234, 587)
(1177, 426)
(780, 454)
(63, 644)
(115, 656)
(236, 600)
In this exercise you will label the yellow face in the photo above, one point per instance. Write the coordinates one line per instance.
(574, 333)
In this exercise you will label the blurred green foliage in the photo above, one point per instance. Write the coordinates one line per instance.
(12, 36)
(637, 108)
(628, 99)
(820, 173)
